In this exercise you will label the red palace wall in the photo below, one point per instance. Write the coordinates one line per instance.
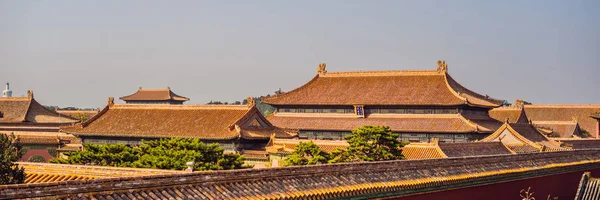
(37, 152)
(563, 186)
(598, 129)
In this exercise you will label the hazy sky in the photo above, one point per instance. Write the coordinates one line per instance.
(78, 53)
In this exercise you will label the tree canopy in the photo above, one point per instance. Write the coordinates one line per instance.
(307, 153)
(370, 143)
(10, 152)
(165, 153)
(367, 143)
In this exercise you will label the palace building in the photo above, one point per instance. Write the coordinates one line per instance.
(154, 96)
(419, 105)
(36, 127)
(557, 120)
(234, 127)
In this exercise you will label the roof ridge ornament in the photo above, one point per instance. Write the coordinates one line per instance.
(29, 94)
(321, 69)
(250, 101)
(111, 101)
(442, 66)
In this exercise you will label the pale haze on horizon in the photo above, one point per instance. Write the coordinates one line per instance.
(79, 53)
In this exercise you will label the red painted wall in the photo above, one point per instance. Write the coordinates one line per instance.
(563, 186)
(37, 152)
(598, 129)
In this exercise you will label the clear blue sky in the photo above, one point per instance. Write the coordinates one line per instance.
(78, 53)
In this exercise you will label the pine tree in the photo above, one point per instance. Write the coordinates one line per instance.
(370, 143)
(172, 153)
(10, 152)
(307, 153)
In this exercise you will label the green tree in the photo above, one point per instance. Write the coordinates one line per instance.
(82, 117)
(165, 153)
(307, 153)
(370, 143)
(585, 133)
(10, 152)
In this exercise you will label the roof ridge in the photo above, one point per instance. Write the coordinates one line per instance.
(563, 105)
(383, 73)
(179, 107)
(14, 98)
(554, 122)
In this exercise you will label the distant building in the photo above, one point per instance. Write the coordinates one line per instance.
(234, 127)
(560, 120)
(35, 126)
(417, 104)
(7, 92)
(154, 96)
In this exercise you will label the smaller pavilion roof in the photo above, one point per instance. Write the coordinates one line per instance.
(512, 114)
(287, 146)
(582, 113)
(581, 143)
(209, 122)
(595, 115)
(154, 95)
(28, 110)
(46, 172)
(564, 129)
(523, 138)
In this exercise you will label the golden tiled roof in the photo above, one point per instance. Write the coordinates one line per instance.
(473, 149)
(255, 154)
(154, 95)
(50, 138)
(527, 135)
(187, 121)
(580, 113)
(350, 180)
(426, 87)
(72, 113)
(579, 143)
(45, 172)
(417, 151)
(26, 139)
(595, 115)
(565, 129)
(522, 148)
(286, 146)
(451, 123)
(27, 109)
(512, 114)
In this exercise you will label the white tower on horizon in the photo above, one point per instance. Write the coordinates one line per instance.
(7, 92)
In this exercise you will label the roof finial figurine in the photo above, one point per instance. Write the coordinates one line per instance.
(321, 69)
(111, 101)
(442, 66)
(250, 101)
(30, 94)
(278, 92)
